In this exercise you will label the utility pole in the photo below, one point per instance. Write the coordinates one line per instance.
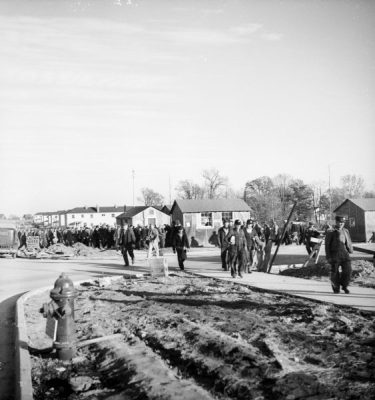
(170, 192)
(329, 191)
(133, 175)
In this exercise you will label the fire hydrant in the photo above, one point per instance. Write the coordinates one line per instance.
(61, 308)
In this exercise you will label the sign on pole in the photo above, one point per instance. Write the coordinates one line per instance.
(32, 242)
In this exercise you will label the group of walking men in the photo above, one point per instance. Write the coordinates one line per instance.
(127, 242)
(244, 247)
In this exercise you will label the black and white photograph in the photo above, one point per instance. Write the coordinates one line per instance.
(187, 200)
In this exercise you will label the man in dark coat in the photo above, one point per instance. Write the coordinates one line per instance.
(338, 246)
(237, 250)
(127, 243)
(180, 244)
(69, 237)
(95, 238)
(224, 235)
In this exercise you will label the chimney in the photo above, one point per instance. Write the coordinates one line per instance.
(97, 208)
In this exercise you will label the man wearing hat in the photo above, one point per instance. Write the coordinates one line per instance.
(338, 246)
(224, 235)
(237, 250)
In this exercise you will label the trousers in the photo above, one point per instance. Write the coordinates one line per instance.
(224, 258)
(340, 278)
(237, 258)
(181, 257)
(153, 245)
(125, 251)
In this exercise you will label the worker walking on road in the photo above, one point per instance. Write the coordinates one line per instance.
(237, 250)
(224, 235)
(127, 243)
(338, 246)
(181, 245)
(153, 241)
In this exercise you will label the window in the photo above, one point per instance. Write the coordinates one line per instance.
(151, 211)
(103, 215)
(82, 215)
(227, 215)
(206, 219)
(73, 216)
(91, 215)
(113, 215)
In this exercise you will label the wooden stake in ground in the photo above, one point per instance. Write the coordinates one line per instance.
(282, 236)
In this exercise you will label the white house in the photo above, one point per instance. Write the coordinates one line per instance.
(144, 216)
(79, 216)
(92, 216)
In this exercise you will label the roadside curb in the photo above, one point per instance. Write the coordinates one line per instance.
(23, 383)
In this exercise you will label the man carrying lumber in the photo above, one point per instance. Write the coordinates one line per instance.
(338, 246)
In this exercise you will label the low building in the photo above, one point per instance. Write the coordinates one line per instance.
(42, 218)
(144, 216)
(360, 214)
(201, 218)
(92, 216)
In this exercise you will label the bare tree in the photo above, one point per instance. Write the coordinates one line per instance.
(281, 184)
(214, 182)
(151, 198)
(353, 186)
(187, 189)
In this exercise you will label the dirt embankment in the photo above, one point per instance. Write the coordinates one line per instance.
(363, 272)
(60, 251)
(186, 337)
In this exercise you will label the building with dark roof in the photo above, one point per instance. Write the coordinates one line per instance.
(360, 214)
(144, 216)
(201, 218)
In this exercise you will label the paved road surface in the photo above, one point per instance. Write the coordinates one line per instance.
(20, 275)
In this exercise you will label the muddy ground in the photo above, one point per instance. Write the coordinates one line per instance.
(363, 272)
(187, 337)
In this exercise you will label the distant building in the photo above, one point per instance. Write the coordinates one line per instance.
(201, 218)
(41, 218)
(79, 216)
(360, 214)
(144, 216)
(92, 216)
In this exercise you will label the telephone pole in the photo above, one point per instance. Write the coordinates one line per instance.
(133, 175)
(329, 192)
(170, 191)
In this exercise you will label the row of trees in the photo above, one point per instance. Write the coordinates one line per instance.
(270, 198)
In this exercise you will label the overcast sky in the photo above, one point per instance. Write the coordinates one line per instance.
(90, 90)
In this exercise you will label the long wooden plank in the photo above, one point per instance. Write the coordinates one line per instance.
(362, 250)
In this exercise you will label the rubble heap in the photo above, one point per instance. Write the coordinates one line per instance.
(363, 272)
(60, 251)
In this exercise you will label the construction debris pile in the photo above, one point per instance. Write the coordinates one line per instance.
(60, 251)
(363, 272)
(185, 337)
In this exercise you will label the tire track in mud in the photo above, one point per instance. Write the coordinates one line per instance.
(223, 364)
